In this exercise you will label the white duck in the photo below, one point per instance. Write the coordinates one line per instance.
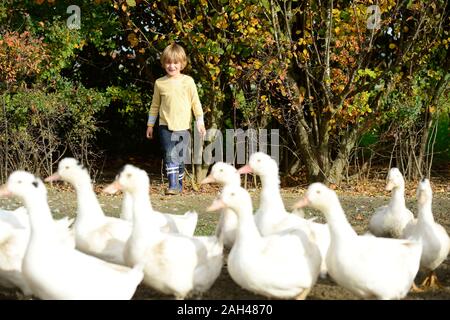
(226, 175)
(179, 223)
(14, 236)
(17, 218)
(370, 267)
(55, 271)
(391, 220)
(95, 233)
(271, 215)
(13, 243)
(433, 237)
(175, 264)
(283, 265)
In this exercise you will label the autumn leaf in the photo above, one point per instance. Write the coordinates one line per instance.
(133, 39)
(131, 3)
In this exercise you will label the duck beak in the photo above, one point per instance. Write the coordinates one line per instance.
(208, 179)
(389, 186)
(245, 169)
(304, 202)
(53, 177)
(216, 205)
(112, 188)
(4, 192)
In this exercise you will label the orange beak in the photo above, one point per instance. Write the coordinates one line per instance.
(208, 179)
(304, 202)
(4, 192)
(245, 169)
(53, 177)
(389, 186)
(112, 188)
(216, 205)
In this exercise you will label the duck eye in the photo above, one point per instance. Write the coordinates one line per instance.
(221, 170)
(67, 167)
(259, 160)
(318, 191)
(232, 194)
(19, 181)
(129, 175)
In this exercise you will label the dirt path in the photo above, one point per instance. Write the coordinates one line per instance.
(358, 209)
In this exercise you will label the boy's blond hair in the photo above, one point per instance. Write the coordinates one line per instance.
(174, 53)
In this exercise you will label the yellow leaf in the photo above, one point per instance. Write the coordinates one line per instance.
(133, 39)
(392, 46)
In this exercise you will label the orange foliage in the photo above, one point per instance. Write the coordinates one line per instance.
(21, 55)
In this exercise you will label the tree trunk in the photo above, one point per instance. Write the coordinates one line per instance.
(338, 166)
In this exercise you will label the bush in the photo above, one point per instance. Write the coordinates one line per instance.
(37, 127)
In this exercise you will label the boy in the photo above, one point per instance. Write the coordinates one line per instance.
(175, 96)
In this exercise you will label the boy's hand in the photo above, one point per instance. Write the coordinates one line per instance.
(201, 129)
(149, 133)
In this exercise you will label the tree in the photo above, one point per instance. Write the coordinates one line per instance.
(43, 114)
(344, 66)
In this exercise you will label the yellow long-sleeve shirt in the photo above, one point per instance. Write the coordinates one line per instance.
(174, 100)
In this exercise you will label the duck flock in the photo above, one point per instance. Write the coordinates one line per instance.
(271, 252)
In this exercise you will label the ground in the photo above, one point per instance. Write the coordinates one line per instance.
(358, 202)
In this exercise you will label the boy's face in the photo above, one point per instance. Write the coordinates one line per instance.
(172, 68)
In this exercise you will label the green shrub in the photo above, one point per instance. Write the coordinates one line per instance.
(38, 127)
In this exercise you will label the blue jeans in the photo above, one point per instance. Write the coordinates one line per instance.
(174, 145)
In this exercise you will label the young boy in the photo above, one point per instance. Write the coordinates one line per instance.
(174, 98)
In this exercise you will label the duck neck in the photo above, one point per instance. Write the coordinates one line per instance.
(271, 201)
(126, 211)
(145, 224)
(246, 230)
(89, 212)
(398, 198)
(338, 224)
(42, 225)
(425, 214)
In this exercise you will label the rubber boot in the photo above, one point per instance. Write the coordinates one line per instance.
(180, 176)
(172, 176)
